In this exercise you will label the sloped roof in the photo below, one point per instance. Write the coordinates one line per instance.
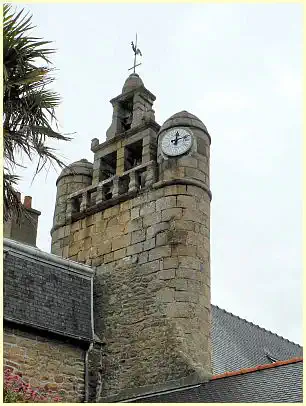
(237, 343)
(47, 292)
(281, 382)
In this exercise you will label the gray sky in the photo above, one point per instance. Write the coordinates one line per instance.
(238, 67)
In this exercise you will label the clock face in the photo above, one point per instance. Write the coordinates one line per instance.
(176, 141)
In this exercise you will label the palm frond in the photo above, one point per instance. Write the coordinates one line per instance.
(29, 118)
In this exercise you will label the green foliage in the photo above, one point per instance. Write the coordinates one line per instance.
(9, 396)
(28, 106)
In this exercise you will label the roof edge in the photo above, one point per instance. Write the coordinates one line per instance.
(43, 329)
(227, 374)
(35, 253)
(258, 368)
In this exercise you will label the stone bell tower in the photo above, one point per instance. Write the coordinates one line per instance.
(140, 215)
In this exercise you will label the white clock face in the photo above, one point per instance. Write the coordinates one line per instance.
(176, 141)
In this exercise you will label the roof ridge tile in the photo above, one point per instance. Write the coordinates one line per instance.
(258, 368)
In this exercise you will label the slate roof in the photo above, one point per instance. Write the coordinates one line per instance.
(241, 345)
(279, 383)
(47, 292)
(237, 343)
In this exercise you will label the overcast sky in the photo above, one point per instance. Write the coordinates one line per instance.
(238, 67)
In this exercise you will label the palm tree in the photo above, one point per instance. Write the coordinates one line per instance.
(28, 106)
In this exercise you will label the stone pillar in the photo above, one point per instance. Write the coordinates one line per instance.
(115, 126)
(141, 105)
(120, 161)
(149, 146)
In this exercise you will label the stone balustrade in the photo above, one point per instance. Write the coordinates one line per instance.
(110, 190)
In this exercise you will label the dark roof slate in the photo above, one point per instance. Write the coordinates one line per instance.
(281, 384)
(46, 292)
(237, 343)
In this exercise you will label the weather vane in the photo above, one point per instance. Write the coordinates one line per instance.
(136, 52)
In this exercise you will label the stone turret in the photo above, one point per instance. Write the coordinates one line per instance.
(193, 165)
(75, 176)
(143, 222)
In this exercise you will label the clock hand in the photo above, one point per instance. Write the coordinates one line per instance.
(180, 138)
(176, 138)
(183, 137)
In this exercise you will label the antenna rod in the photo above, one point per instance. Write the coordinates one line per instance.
(135, 53)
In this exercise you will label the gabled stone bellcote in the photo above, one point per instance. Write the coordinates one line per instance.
(125, 163)
(132, 108)
(130, 140)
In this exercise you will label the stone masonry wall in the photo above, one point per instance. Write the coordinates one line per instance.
(152, 287)
(45, 362)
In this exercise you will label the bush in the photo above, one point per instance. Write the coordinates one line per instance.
(16, 390)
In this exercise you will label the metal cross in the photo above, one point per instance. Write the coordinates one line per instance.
(136, 52)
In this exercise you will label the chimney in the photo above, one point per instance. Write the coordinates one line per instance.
(27, 202)
(24, 229)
